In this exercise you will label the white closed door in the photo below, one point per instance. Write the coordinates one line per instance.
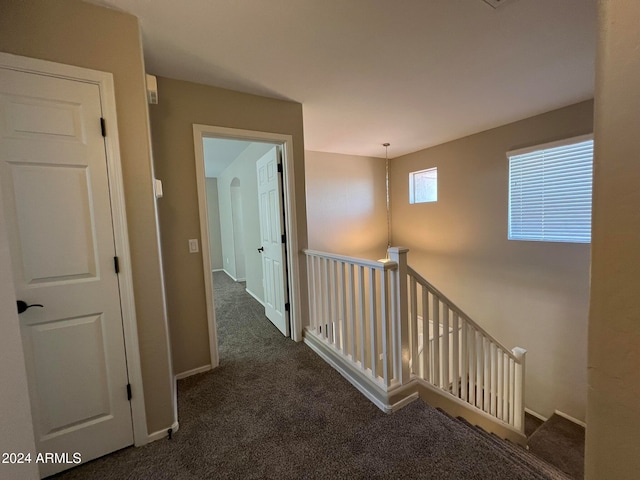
(273, 246)
(55, 194)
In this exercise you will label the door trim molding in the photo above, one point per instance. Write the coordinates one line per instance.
(104, 81)
(293, 270)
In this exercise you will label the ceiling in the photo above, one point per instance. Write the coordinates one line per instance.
(219, 153)
(414, 73)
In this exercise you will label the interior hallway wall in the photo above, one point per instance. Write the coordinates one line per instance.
(78, 33)
(346, 204)
(613, 448)
(213, 210)
(533, 295)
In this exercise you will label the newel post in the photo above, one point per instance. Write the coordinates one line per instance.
(518, 418)
(401, 346)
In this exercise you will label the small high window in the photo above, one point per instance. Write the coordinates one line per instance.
(550, 192)
(423, 186)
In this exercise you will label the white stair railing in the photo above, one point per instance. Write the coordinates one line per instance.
(392, 325)
(455, 354)
(350, 311)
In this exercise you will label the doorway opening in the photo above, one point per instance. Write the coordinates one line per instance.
(250, 174)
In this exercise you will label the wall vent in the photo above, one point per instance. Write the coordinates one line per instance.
(496, 3)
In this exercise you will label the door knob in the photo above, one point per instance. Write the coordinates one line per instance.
(22, 306)
(261, 249)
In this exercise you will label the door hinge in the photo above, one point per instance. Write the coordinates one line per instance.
(287, 307)
(116, 264)
(129, 396)
(284, 238)
(279, 168)
(103, 127)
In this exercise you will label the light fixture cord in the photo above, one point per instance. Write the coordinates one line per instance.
(386, 155)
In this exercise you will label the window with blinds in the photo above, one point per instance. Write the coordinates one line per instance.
(550, 192)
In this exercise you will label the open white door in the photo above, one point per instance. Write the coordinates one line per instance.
(56, 198)
(273, 246)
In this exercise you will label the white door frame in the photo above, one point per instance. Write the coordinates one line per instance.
(104, 81)
(288, 186)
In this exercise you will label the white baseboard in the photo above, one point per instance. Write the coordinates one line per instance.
(254, 296)
(218, 270)
(229, 275)
(160, 434)
(194, 371)
(347, 375)
(571, 419)
(536, 414)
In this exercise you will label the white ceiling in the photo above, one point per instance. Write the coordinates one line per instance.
(219, 153)
(414, 73)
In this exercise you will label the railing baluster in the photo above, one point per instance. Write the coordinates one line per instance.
(326, 300)
(384, 323)
(492, 356)
(455, 355)
(436, 340)
(512, 382)
(312, 297)
(372, 324)
(479, 371)
(446, 382)
(487, 374)
(505, 393)
(321, 298)
(332, 302)
(500, 387)
(471, 337)
(352, 313)
(343, 305)
(362, 316)
(413, 330)
(426, 356)
(395, 326)
(464, 362)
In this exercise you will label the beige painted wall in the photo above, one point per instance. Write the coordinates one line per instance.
(77, 33)
(181, 105)
(346, 204)
(613, 447)
(529, 294)
(244, 169)
(213, 209)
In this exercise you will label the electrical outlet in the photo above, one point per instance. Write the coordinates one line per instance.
(193, 245)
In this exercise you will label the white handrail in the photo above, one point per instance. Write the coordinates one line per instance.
(387, 265)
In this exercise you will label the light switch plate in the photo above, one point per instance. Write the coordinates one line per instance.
(193, 245)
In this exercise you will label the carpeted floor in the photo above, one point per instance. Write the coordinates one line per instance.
(561, 443)
(274, 409)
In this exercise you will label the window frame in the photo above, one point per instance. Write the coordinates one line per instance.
(536, 148)
(412, 193)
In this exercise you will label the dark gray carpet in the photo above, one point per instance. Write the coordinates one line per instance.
(274, 409)
(531, 424)
(561, 443)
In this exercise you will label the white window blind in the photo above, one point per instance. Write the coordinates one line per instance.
(550, 192)
(423, 186)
